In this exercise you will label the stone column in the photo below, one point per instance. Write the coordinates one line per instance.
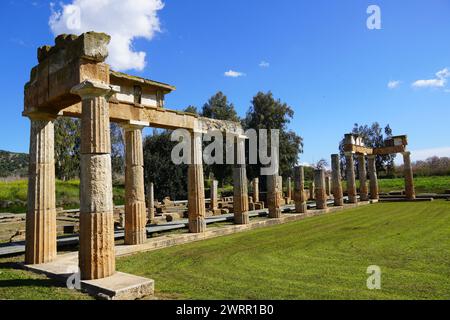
(97, 252)
(240, 204)
(40, 244)
(289, 190)
(351, 183)
(320, 191)
(151, 202)
(337, 181)
(299, 190)
(363, 189)
(373, 177)
(409, 177)
(256, 190)
(196, 188)
(214, 195)
(328, 185)
(135, 211)
(312, 187)
(273, 197)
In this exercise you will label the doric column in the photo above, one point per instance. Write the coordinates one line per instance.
(40, 244)
(151, 202)
(240, 205)
(289, 190)
(328, 185)
(273, 196)
(196, 188)
(97, 252)
(214, 195)
(299, 190)
(373, 177)
(320, 190)
(351, 183)
(363, 189)
(135, 211)
(337, 181)
(312, 187)
(256, 190)
(409, 177)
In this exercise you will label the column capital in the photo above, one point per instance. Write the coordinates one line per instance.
(349, 154)
(406, 153)
(41, 115)
(91, 89)
(134, 125)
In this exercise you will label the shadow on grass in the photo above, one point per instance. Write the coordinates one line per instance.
(9, 265)
(27, 283)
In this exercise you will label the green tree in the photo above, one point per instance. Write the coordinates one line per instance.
(191, 109)
(268, 113)
(219, 108)
(169, 179)
(67, 148)
(117, 151)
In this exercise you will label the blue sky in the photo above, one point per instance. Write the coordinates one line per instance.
(323, 61)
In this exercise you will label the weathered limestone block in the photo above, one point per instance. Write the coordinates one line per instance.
(320, 190)
(135, 210)
(273, 197)
(337, 181)
(240, 198)
(196, 188)
(256, 190)
(374, 195)
(409, 177)
(299, 190)
(364, 190)
(40, 246)
(351, 182)
(95, 134)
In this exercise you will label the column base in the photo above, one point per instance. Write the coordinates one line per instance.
(198, 225)
(301, 208)
(275, 213)
(364, 197)
(241, 218)
(321, 204)
(352, 199)
(338, 202)
(97, 247)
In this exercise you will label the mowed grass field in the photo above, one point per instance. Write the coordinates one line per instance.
(323, 257)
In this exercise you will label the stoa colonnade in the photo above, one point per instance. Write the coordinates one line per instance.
(73, 80)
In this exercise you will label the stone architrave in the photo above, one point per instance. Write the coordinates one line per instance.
(40, 244)
(337, 181)
(97, 247)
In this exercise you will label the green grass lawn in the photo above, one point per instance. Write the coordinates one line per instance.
(18, 284)
(67, 195)
(324, 257)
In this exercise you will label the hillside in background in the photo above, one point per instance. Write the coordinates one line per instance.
(13, 164)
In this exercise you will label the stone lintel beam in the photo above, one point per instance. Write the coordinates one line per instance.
(358, 149)
(389, 150)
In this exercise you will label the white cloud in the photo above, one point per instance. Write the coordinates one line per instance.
(264, 64)
(439, 82)
(394, 84)
(124, 21)
(234, 74)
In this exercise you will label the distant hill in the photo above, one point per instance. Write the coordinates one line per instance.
(13, 164)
